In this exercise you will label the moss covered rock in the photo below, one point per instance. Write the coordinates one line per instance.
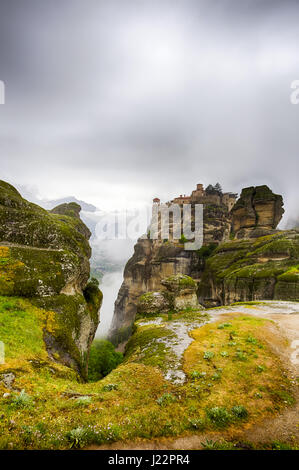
(44, 256)
(180, 294)
(265, 268)
(152, 302)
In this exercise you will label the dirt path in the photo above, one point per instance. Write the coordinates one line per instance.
(284, 427)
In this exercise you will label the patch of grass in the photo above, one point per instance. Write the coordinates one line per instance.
(208, 355)
(109, 387)
(224, 325)
(266, 392)
(217, 445)
(239, 411)
(83, 401)
(166, 399)
(134, 400)
(21, 400)
(219, 416)
(146, 346)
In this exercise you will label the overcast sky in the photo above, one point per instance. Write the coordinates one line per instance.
(117, 101)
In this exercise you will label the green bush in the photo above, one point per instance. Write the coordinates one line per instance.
(239, 411)
(166, 399)
(219, 416)
(208, 355)
(22, 400)
(206, 250)
(102, 359)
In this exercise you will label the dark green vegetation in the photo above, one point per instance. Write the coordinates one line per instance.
(102, 359)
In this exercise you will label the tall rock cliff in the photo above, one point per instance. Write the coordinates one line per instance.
(261, 263)
(155, 260)
(44, 256)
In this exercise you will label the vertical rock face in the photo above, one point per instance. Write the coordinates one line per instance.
(252, 267)
(44, 256)
(155, 260)
(258, 211)
(263, 268)
(151, 262)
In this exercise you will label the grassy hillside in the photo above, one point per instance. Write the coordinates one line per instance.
(233, 380)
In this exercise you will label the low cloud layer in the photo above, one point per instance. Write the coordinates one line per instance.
(119, 101)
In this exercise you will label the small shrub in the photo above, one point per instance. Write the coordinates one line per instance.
(260, 368)
(239, 411)
(217, 445)
(77, 437)
(22, 400)
(197, 375)
(216, 376)
(166, 399)
(109, 387)
(224, 325)
(277, 445)
(224, 353)
(241, 356)
(206, 250)
(83, 401)
(196, 423)
(251, 339)
(208, 355)
(219, 416)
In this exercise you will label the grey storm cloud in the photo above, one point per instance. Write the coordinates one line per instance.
(125, 99)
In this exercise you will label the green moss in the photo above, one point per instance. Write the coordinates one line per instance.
(263, 268)
(181, 280)
(144, 346)
(291, 275)
(21, 328)
(147, 298)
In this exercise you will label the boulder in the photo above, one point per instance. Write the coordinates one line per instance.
(257, 212)
(152, 302)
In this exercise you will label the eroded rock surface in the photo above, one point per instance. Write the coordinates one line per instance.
(257, 212)
(44, 256)
(244, 257)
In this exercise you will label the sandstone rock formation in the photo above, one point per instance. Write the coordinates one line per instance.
(155, 260)
(179, 294)
(44, 256)
(261, 263)
(151, 303)
(265, 268)
(257, 212)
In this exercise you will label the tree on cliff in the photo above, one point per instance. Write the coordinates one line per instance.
(217, 189)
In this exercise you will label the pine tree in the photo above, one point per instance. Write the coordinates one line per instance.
(218, 188)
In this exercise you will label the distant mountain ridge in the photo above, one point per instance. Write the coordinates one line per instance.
(66, 200)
